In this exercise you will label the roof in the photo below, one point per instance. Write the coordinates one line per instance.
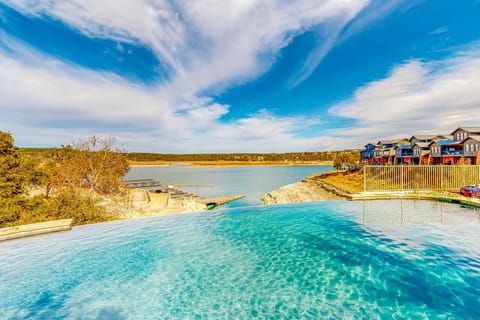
(393, 141)
(405, 146)
(473, 136)
(424, 136)
(448, 142)
(468, 129)
(422, 144)
(444, 142)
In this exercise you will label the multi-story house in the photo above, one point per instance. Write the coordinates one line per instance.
(461, 147)
(368, 155)
(471, 149)
(464, 132)
(385, 151)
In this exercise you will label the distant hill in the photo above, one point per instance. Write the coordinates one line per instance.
(239, 157)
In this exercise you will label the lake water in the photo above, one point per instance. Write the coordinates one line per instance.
(253, 181)
(326, 260)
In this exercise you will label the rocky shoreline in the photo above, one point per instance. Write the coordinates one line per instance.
(346, 185)
(309, 189)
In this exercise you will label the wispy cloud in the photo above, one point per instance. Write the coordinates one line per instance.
(204, 44)
(45, 100)
(417, 97)
(204, 47)
(439, 30)
(337, 30)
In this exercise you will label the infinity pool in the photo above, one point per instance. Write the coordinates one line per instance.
(336, 259)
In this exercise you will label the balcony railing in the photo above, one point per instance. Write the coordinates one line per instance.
(405, 154)
(452, 152)
(367, 154)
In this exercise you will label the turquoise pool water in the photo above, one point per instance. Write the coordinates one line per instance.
(330, 260)
(253, 181)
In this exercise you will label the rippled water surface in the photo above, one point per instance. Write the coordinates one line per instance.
(337, 259)
(253, 181)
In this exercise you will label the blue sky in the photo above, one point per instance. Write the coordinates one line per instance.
(237, 76)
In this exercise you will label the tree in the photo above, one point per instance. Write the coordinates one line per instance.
(92, 163)
(14, 179)
(345, 159)
(14, 171)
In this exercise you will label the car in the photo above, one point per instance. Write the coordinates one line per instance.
(470, 191)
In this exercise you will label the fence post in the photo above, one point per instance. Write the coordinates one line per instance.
(401, 176)
(441, 177)
(364, 179)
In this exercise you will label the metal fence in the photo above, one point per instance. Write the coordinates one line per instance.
(419, 177)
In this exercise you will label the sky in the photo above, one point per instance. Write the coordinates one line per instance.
(216, 76)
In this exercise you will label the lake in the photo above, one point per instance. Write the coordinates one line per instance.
(253, 181)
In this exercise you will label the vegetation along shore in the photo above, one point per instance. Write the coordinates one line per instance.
(84, 182)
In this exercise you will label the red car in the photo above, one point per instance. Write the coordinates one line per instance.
(470, 191)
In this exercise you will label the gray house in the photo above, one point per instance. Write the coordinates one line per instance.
(464, 132)
(471, 148)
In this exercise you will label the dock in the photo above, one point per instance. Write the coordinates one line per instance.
(221, 200)
(153, 186)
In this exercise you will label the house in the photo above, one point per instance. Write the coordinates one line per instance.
(426, 138)
(385, 152)
(464, 132)
(445, 151)
(421, 153)
(404, 154)
(471, 149)
(368, 154)
(462, 146)
(421, 149)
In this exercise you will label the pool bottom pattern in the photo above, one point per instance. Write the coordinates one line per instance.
(306, 261)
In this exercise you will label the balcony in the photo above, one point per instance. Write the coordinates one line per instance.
(452, 152)
(366, 154)
(404, 154)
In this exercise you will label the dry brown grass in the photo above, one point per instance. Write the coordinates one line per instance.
(350, 181)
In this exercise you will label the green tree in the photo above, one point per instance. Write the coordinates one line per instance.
(13, 170)
(15, 176)
(76, 174)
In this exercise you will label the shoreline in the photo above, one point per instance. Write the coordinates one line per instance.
(218, 163)
(344, 185)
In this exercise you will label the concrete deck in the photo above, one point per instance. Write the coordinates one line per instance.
(418, 195)
(35, 229)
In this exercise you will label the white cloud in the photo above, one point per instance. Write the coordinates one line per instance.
(417, 97)
(204, 43)
(205, 46)
(44, 101)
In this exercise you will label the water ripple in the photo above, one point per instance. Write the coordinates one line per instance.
(322, 260)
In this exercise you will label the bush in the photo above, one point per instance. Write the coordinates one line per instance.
(82, 208)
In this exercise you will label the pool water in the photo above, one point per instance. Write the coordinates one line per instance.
(327, 260)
